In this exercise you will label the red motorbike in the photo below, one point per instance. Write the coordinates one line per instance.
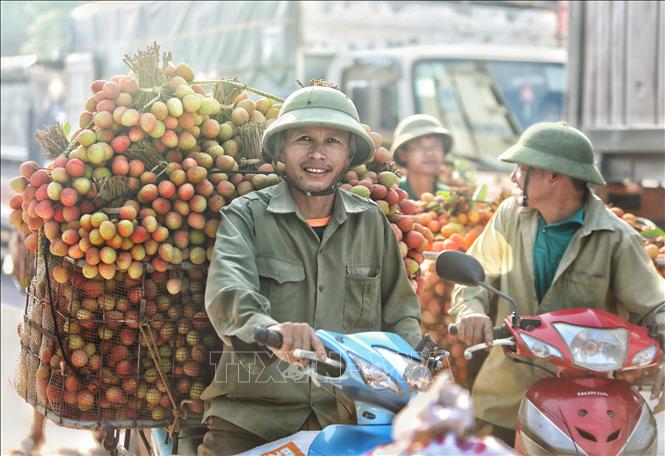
(581, 410)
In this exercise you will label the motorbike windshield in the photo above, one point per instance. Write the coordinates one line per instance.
(487, 104)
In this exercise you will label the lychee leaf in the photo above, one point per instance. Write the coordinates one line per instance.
(66, 128)
(445, 194)
(481, 193)
(652, 233)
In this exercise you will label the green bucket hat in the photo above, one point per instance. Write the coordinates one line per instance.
(416, 126)
(558, 147)
(319, 106)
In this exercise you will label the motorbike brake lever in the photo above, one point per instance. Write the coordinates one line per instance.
(468, 353)
(310, 355)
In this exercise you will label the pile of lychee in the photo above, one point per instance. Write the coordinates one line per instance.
(132, 261)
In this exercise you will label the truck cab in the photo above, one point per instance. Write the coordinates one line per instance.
(486, 95)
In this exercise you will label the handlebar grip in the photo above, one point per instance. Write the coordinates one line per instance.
(452, 329)
(497, 333)
(268, 337)
(500, 332)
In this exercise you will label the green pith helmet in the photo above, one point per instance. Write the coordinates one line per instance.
(317, 106)
(416, 126)
(557, 147)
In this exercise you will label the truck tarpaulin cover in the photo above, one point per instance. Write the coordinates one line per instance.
(251, 40)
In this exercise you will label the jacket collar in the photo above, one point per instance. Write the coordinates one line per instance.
(282, 202)
(596, 216)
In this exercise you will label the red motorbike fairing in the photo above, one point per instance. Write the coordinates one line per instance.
(637, 337)
(598, 414)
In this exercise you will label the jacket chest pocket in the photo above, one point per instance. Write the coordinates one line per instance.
(362, 303)
(280, 280)
(584, 290)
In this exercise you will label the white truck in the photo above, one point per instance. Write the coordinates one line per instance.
(458, 60)
(487, 69)
(485, 94)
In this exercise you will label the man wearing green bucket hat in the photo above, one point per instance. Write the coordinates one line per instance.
(294, 257)
(420, 145)
(556, 246)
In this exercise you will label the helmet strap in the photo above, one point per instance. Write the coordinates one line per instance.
(332, 189)
(525, 196)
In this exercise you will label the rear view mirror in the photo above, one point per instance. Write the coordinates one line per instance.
(461, 268)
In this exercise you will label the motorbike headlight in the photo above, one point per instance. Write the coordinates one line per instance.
(375, 378)
(599, 350)
(539, 348)
(417, 377)
(644, 357)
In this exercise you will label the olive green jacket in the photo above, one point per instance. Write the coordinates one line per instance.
(268, 267)
(605, 266)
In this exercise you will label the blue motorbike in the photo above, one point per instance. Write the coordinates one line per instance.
(379, 371)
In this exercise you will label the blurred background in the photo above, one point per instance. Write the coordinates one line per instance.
(487, 69)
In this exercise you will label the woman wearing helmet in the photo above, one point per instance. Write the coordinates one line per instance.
(295, 257)
(420, 145)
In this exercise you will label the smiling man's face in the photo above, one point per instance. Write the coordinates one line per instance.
(315, 156)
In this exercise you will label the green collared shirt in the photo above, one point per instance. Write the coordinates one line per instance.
(269, 266)
(604, 267)
(404, 185)
(551, 242)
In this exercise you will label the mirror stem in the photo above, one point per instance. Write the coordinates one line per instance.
(516, 315)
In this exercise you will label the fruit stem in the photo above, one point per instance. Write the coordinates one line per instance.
(242, 86)
(75, 142)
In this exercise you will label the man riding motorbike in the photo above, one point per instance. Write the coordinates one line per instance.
(556, 247)
(295, 257)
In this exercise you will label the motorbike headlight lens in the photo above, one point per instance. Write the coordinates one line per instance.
(418, 377)
(599, 350)
(399, 362)
(375, 378)
(539, 348)
(644, 357)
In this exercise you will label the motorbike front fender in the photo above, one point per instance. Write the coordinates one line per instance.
(342, 439)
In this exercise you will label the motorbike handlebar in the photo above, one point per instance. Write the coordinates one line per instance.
(468, 353)
(268, 337)
(499, 332)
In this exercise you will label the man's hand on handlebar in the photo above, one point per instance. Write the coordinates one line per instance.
(475, 329)
(294, 336)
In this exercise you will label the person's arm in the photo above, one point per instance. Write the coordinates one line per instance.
(232, 298)
(636, 283)
(401, 311)
(639, 288)
(470, 305)
(488, 250)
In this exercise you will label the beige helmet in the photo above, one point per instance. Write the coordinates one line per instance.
(322, 107)
(416, 126)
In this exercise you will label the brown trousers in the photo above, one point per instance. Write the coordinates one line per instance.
(225, 438)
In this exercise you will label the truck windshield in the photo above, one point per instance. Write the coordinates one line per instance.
(487, 104)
